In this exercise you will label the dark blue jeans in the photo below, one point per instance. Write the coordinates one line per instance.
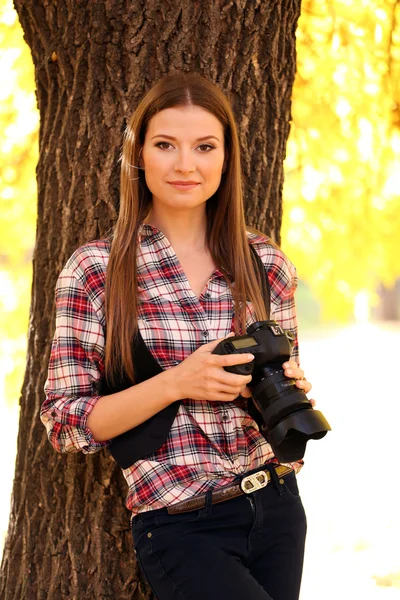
(248, 547)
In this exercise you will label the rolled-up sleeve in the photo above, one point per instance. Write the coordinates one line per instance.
(75, 368)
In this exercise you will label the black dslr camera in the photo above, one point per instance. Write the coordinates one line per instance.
(289, 419)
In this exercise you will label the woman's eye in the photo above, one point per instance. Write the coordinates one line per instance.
(161, 143)
(204, 147)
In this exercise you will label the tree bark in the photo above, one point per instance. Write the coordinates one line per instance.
(69, 535)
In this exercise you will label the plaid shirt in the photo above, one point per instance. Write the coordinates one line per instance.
(210, 443)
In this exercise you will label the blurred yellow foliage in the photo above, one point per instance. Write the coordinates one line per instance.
(19, 121)
(342, 171)
(341, 221)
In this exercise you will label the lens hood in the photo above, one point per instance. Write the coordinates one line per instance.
(289, 437)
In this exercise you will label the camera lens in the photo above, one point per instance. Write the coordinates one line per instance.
(285, 415)
(289, 419)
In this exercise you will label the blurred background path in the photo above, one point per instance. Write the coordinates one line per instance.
(348, 483)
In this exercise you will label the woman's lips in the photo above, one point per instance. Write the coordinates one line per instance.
(183, 186)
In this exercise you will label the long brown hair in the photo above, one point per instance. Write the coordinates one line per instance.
(226, 229)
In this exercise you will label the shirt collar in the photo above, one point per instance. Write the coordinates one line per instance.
(146, 232)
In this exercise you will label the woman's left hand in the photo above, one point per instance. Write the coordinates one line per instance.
(292, 370)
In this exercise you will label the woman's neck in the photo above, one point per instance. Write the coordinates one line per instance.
(186, 232)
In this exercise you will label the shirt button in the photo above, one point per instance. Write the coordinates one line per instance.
(208, 295)
(204, 333)
(225, 418)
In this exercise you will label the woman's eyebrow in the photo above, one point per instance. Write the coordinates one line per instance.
(170, 137)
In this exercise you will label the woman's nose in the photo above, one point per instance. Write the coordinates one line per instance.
(185, 162)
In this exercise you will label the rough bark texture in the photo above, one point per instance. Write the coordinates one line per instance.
(69, 535)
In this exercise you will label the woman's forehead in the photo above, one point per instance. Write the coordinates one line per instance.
(186, 122)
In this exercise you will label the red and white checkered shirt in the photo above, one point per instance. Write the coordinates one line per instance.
(210, 443)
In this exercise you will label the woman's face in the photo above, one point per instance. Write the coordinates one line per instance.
(183, 144)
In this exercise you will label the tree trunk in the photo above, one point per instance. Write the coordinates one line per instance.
(69, 533)
(389, 302)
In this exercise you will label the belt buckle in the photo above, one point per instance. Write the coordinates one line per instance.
(254, 482)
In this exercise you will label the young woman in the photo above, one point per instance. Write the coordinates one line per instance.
(132, 368)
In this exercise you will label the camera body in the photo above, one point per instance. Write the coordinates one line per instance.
(288, 416)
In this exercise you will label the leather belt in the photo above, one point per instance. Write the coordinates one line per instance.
(247, 485)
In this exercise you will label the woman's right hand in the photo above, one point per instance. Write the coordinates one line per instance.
(201, 376)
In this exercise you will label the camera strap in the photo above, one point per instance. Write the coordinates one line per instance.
(260, 267)
(264, 280)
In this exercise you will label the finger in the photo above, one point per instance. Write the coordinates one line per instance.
(224, 397)
(232, 379)
(228, 360)
(246, 393)
(233, 390)
(312, 402)
(304, 385)
(290, 364)
(292, 369)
